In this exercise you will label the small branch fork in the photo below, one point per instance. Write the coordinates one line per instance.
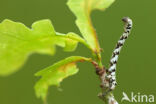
(105, 95)
(108, 76)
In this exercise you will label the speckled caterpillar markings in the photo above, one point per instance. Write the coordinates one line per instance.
(113, 61)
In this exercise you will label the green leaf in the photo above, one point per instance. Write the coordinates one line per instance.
(53, 75)
(17, 42)
(82, 10)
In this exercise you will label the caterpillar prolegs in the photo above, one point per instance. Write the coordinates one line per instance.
(113, 61)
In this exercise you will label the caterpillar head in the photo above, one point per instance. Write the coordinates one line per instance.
(127, 20)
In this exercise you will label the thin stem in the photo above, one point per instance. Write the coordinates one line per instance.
(79, 39)
(45, 100)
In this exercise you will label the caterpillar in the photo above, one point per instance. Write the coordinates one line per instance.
(113, 61)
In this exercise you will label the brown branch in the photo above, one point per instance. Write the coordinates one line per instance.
(106, 95)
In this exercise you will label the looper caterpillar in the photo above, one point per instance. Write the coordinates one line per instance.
(113, 61)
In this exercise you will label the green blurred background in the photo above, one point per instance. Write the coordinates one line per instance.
(136, 67)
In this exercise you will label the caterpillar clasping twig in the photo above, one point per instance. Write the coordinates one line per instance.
(113, 61)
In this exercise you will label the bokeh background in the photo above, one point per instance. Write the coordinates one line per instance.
(136, 69)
